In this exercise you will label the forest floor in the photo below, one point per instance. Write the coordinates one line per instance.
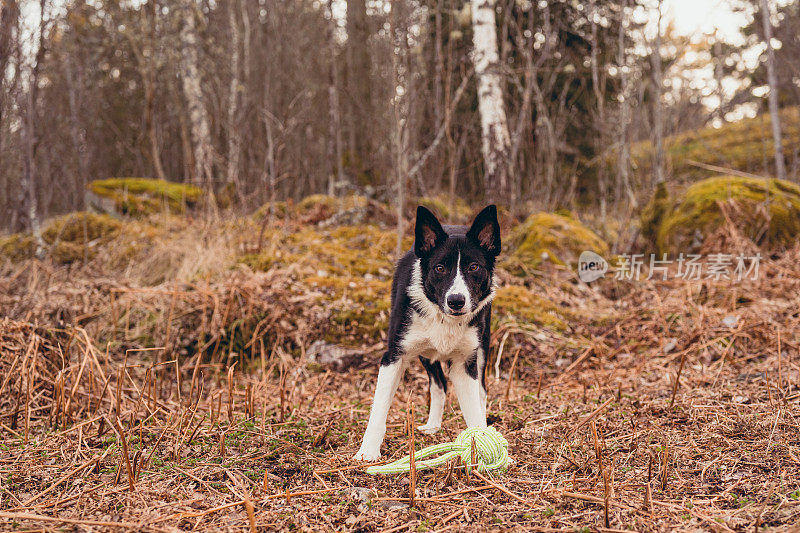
(192, 402)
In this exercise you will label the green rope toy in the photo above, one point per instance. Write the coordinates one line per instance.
(491, 453)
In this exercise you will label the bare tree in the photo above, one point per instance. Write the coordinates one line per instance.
(496, 142)
(29, 189)
(598, 84)
(359, 85)
(718, 75)
(144, 52)
(399, 30)
(658, 88)
(336, 178)
(623, 180)
(780, 168)
(234, 91)
(202, 147)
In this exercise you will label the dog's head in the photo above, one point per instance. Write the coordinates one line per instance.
(457, 262)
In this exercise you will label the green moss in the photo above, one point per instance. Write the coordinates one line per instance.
(359, 307)
(341, 251)
(764, 210)
(280, 210)
(145, 196)
(68, 238)
(454, 212)
(744, 145)
(81, 227)
(547, 236)
(515, 302)
(17, 247)
(317, 202)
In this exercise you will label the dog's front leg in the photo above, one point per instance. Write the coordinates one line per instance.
(388, 380)
(468, 392)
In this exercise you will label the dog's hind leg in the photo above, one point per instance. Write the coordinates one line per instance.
(389, 376)
(438, 391)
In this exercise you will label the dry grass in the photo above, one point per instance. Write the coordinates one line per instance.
(131, 406)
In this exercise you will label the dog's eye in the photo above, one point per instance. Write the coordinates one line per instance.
(473, 267)
(439, 268)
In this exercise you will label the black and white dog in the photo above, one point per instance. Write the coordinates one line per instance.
(441, 309)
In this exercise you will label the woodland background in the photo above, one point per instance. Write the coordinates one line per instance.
(263, 99)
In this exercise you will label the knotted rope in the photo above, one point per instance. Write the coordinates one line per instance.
(491, 453)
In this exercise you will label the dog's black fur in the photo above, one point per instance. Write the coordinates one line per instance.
(441, 313)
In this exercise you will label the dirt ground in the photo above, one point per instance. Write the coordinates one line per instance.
(662, 406)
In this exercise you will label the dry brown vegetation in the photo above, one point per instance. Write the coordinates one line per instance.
(172, 390)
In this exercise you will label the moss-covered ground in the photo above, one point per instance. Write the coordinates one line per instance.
(745, 145)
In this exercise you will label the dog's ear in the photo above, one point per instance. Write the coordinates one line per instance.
(428, 233)
(485, 231)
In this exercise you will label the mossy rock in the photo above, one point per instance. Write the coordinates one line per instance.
(17, 247)
(68, 238)
(767, 211)
(317, 207)
(280, 209)
(349, 251)
(558, 238)
(80, 228)
(330, 211)
(143, 196)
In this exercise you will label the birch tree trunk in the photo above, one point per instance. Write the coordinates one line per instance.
(234, 136)
(29, 183)
(192, 91)
(772, 79)
(658, 126)
(495, 138)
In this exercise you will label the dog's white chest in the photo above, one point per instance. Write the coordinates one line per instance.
(438, 339)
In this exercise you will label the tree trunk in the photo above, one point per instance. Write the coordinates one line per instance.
(78, 141)
(9, 13)
(336, 179)
(624, 154)
(718, 75)
(658, 83)
(399, 35)
(29, 176)
(192, 91)
(234, 136)
(598, 84)
(359, 85)
(772, 79)
(495, 137)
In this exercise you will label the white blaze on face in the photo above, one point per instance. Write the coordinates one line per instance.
(459, 286)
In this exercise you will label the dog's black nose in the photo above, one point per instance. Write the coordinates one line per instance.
(456, 301)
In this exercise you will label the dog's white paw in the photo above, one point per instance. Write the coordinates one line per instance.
(429, 429)
(367, 454)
